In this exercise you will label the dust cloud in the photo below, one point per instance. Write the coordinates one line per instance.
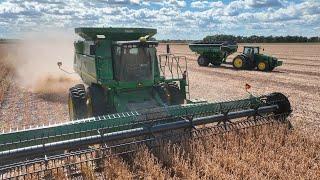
(36, 60)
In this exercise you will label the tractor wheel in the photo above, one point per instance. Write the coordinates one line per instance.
(239, 62)
(176, 96)
(263, 66)
(203, 61)
(77, 102)
(96, 101)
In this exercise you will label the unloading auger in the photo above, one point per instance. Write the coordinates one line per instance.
(132, 97)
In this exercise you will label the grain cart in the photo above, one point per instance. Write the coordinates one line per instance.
(133, 97)
(217, 53)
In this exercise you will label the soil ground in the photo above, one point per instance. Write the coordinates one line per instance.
(298, 78)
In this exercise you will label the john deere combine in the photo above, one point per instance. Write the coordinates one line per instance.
(217, 53)
(133, 97)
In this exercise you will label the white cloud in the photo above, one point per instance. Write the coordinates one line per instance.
(264, 3)
(135, 1)
(206, 4)
(193, 19)
(235, 8)
(8, 7)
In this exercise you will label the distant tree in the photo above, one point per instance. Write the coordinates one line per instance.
(260, 39)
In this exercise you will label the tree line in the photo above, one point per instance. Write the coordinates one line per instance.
(8, 41)
(262, 39)
(252, 39)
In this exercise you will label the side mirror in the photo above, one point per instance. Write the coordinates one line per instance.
(92, 49)
(59, 64)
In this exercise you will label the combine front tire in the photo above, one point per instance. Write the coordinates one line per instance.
(170, 93)
(77, 102)
(176, 96)
(203, 61)
(96, 101)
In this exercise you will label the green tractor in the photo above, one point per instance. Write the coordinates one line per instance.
(216, 53)
(251, 58)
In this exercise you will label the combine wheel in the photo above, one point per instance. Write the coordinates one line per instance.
(77, 102)
(176, 96)
(96, 101)
(170, 94)
(203, 61)
(239, 62)
(263, 66)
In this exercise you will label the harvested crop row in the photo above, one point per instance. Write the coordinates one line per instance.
(261, 153)
(6, 74)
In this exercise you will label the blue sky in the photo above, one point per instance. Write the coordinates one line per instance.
(174, 19)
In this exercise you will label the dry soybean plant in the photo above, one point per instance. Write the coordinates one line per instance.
(260, 153)
(6, 73)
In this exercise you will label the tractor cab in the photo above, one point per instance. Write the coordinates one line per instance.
(249, 50)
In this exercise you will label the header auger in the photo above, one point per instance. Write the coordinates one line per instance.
(131, 97)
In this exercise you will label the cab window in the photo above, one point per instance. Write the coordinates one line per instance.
(247, 51)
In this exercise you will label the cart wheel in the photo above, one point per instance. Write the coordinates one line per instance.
(203, 61)
(216, 63)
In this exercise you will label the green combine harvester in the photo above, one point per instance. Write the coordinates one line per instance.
(216, 53)
(131, 96)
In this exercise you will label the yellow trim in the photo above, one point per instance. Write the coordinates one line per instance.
(90, 76)
(238, 63)
(262, 66)
(71, 108)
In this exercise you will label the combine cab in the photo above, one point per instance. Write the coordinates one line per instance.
(217, 53)
(131, 96)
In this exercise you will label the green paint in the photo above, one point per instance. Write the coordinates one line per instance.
(121, 121)
(218, 53)
(97, 62)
